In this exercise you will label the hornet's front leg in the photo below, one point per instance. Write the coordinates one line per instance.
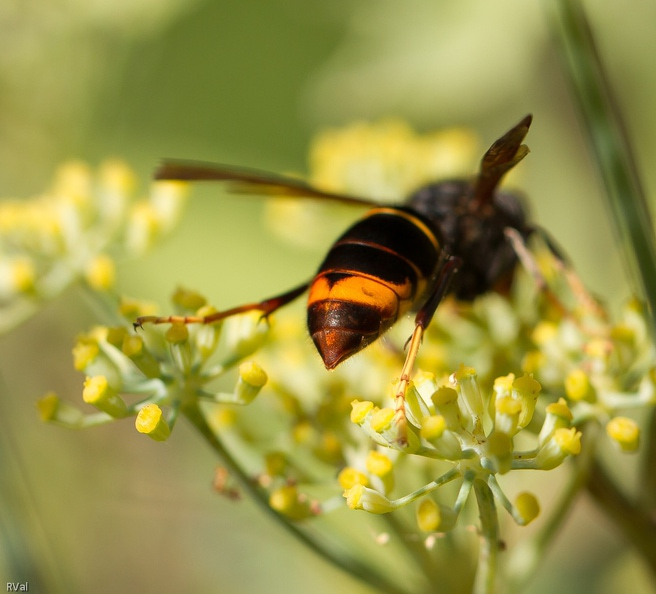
(422, 320)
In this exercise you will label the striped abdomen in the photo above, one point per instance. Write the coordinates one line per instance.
(372, 275)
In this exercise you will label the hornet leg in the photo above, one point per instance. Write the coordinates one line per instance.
(267, 307)
(422, 319)
(528, 262)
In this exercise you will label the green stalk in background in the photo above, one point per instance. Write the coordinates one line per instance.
(608, 139)
(611, 148)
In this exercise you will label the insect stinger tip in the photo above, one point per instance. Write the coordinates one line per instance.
(336, 345)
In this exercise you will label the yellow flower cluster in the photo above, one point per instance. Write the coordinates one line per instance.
(388, 160)
(160, 367)
(75, 230)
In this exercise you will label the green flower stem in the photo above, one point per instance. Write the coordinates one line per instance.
(501, 497)
(636, 523)
(362, 572)
(463, 494)
(527, 555)
(447, 477)
(488, 555)
(95, 420)
(608, 140)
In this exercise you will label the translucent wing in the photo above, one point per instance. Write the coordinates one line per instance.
(250, 181)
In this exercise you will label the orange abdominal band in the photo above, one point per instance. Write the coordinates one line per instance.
(360, 290)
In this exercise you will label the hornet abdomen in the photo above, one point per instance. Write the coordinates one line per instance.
(374, 273)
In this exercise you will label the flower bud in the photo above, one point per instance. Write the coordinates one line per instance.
(100, 273)
(85, 352)
(90, 357)
(378, 463)
(624, 432)
(507, 412)
(563, 443)
(133, 308)
(503, 386)
(527, 508)
(305, 434)
(361, 497)
(446, 443)
(152, 423)
(98, 393)
(533, 362)
(381, 426)
(133, 347)
(251, 380)
(434, 517)
(578, 386)
(471, 396)
(53, 409)
(349, 477)
(188, 300)
(330, 448)
(445, 400)
(143, 227)
(544, 332)
(290, 503)
(432, 427)
(223, 418)
(359, 411)
(73, 179)
(558, 416)
(526, 390)
(17, 275)
(381, 419)
(380, 468)
(177, 333)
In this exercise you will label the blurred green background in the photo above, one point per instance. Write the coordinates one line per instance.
(249, 82)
